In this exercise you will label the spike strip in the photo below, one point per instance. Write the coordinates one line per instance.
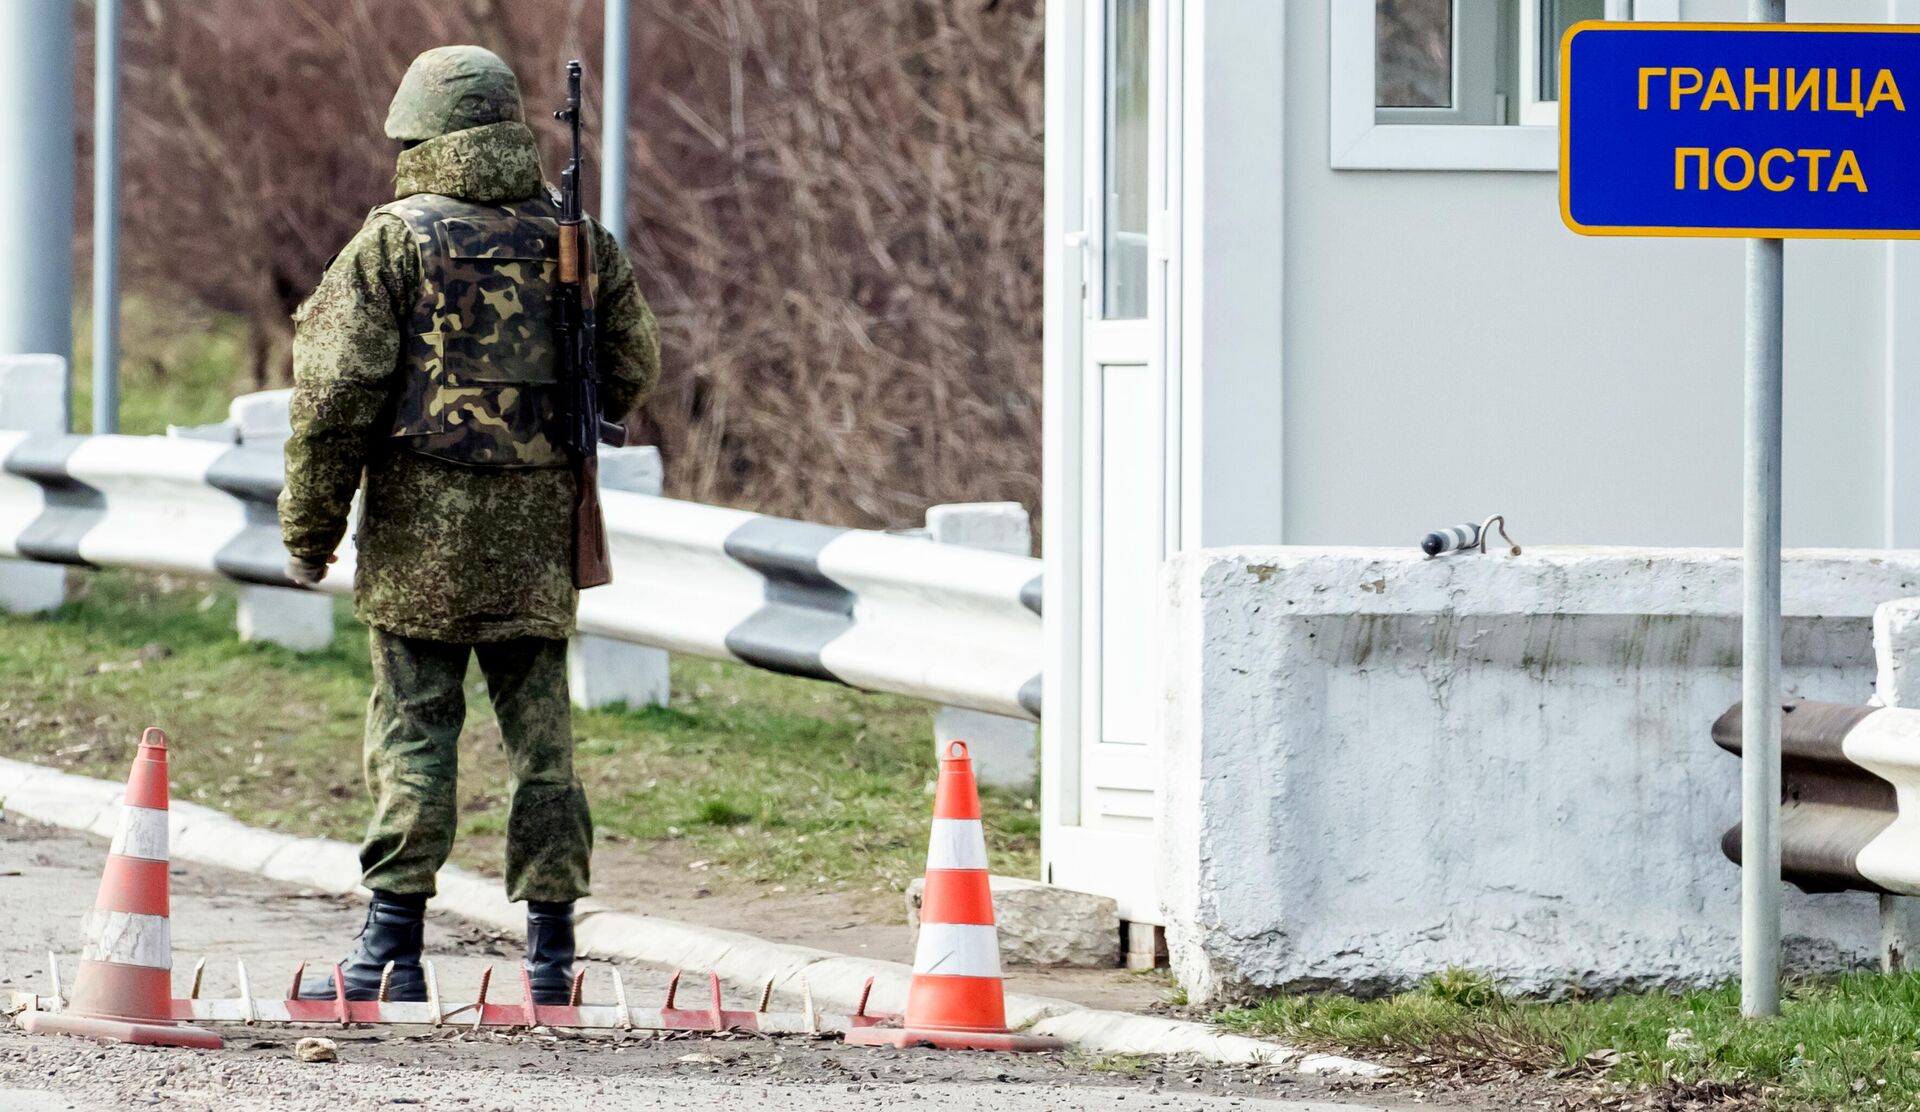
(586, 1017)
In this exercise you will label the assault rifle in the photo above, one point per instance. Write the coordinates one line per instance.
(573, 331)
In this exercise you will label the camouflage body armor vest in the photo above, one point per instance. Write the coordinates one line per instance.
(481, 367)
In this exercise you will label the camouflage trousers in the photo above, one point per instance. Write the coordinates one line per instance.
(412, 754)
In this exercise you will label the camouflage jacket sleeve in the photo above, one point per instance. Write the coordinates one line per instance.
(346, 351)
(628, 348)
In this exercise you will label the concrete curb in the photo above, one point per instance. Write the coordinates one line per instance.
(209, 837)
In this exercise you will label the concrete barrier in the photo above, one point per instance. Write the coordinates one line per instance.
(1378, 766)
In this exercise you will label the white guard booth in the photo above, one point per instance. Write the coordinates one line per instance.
(1307, 284)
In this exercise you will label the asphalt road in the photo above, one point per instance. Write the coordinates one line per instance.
(48, 880)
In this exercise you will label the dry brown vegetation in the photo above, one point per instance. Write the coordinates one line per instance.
(835, 210)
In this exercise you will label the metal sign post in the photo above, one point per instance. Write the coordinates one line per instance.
(1760, 619)
(613, 122)
(1760, 132)
(106, 216)
(1760, 636)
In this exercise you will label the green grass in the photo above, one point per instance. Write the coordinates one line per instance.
(1847, 1042)
(177, 366)
(770, 779)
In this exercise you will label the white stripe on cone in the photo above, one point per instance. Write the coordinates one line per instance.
(957, 844)
(127, 939)
(957, 950)
(142, 834)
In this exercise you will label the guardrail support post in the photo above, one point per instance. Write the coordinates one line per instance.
(1896, 649)
(601, 671)
(293, 619)
(33, 398)
(1006, 751)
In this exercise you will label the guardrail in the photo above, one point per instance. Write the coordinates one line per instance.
(1844, 769)
(871, 610)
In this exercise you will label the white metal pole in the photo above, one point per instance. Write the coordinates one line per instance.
(613, 120)
(106, 216)
(1760, 623)
(36, 165)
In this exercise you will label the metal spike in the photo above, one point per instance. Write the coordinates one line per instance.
(53, 969)
(480, 1005)
(579, 980)
(433, 990)
(340, 995)
(766, 995)
(806, 998)
(866, 990)
(246, 990)
(719, 1015)
(673, 985)
(620, 997)
(529, 1010)
(199, 971)
(299, 974)
(386, 982)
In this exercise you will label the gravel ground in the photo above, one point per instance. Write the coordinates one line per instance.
(48, 878)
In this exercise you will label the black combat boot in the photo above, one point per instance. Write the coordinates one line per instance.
(550, 951)
(391, 934)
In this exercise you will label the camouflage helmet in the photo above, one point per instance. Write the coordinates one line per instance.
(453, 88)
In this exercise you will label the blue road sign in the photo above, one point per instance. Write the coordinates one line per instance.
(1741, 129)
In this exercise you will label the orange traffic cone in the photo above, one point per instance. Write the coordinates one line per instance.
(124, 989)
(957, 1001)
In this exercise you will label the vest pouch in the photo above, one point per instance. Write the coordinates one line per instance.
(485, 386)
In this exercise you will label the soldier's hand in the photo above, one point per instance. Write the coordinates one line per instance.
(308, 572)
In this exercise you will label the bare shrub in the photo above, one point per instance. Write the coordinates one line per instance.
(835, 210)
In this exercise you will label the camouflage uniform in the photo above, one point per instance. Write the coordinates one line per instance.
(424, 363)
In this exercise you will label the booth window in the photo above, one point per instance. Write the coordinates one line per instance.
(1486, 71)
(1128, 169)
(1471, 61)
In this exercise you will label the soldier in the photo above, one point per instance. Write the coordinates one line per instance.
(425, 360)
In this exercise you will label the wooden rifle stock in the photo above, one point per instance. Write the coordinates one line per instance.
(592, 565)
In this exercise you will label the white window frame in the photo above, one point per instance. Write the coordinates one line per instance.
(1358, 141)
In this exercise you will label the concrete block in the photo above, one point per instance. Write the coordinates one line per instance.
(1043, 925)
(1375, 766)
(1006, 751)
(1146, 946)
(220, 432)
(601, 671)
(33, 398)
(636, 469)
(33, 393)
(297, 620)
(994, 526)
(1896, 650)
(263, 418)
